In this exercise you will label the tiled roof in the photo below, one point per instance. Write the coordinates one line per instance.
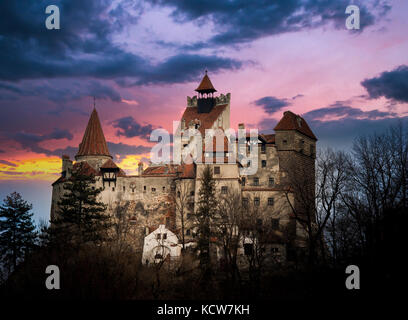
(84, 168)
(182, 171)
(268, 138)
(93, 142)
(205, 85)
(159, 170)
(291, 121)
(206, 119)
(109, 164)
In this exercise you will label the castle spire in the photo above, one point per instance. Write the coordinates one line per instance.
(206, 86)
(93, 143)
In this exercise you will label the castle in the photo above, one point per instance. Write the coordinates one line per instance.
(149, 194)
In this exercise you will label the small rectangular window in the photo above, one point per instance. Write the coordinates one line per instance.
(188, 232)
(164, 236)
(144, 188)
(263, 148)
(257, 201)
(275, 224)
(192, 193)
(271, 182)
(243, 181)
(158, 236)
(256, 181)
(217, 170)
(124, 188)
(285, 141)
(245, 202)
(224, 190)
(263, 163)
(164, 189)
(113, 188)
(270, 201)
(153, 190)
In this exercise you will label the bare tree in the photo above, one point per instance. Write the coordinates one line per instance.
(376, 197)
(228, 232)
(315, 199)
(183, 200)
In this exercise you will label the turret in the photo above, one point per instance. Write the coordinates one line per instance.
(140, 168)
(206, 99)
(66, 166)
(93, 148)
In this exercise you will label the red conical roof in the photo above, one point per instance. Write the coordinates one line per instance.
(205, 86)
(291, 121)
(93, 143)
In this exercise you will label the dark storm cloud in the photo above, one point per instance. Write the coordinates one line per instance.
(8, 163)
(271, 104)
(185, 67)
(129, 127)
(31, 141)
(83, 47)
(389, 84)
(243, 21)
(66, 91)
(339, 109)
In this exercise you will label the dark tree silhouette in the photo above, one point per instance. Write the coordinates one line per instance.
(206, 212)
(81, 216)
(17, 235)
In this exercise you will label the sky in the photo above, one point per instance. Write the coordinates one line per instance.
(141, 59)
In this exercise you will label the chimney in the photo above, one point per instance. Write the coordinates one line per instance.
(241, 126)
(140, 168)
(66, 166)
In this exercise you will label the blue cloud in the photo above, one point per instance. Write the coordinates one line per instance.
(242, 21)
(389, 84)
(272, 104)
